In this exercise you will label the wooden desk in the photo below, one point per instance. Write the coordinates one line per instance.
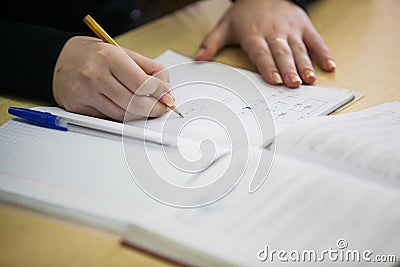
(363, 36)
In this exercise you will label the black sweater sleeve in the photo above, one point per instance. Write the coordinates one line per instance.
(301, 3)
(28, 56)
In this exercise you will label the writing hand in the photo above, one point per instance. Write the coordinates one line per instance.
(278, 37)
(98, 79)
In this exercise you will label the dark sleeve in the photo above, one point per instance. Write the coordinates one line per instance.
(300, 3)
(28, 55)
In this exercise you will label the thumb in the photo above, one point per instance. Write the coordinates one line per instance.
(213, 42)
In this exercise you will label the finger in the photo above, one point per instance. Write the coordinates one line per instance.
(303, 61)
(318, 48)
(89, 111)
(117, 92)
(126, 71)
(136, 105)
(101, 106)
(112, 111)
(214, 41)
(284, 60)
(105, 106)
(150, 66)
(121, 96)
(171, 92)
(146, 106)
(132, 76)
(153, 68)
(158, 89)
(259, 53)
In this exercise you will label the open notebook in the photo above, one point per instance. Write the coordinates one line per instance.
(333, 179)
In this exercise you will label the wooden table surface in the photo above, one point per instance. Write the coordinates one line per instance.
(363, 36)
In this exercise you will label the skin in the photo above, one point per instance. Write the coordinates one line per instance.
(278, 37)
(99, 79)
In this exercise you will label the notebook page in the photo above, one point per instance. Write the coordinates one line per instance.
(301, 206)
(79, 177)
(286, 105)
(75, 171)
(304, 205)
(367, 142)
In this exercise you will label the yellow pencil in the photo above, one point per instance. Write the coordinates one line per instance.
(103, 35)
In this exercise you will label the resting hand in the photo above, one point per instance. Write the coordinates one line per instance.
(99, 79)
(277, 35)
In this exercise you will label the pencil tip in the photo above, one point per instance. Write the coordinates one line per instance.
(180, 114)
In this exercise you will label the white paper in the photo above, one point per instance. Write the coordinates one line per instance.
(365, 143)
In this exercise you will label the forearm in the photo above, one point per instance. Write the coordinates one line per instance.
(29, 54)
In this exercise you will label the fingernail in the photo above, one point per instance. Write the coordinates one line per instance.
(167, 99)
(331, 64)
(171, 93)
(277, 78)
(169, 90)
(294, 78)
(309, 74)
(200, 52)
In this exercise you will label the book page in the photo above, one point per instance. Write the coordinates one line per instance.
(301, 206)
(365, 143)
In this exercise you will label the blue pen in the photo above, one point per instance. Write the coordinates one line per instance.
(44, 119)
(48, 120)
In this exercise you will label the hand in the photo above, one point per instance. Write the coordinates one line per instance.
(99, 79)
(277, 35)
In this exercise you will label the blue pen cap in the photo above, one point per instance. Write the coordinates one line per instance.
(44, 119)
